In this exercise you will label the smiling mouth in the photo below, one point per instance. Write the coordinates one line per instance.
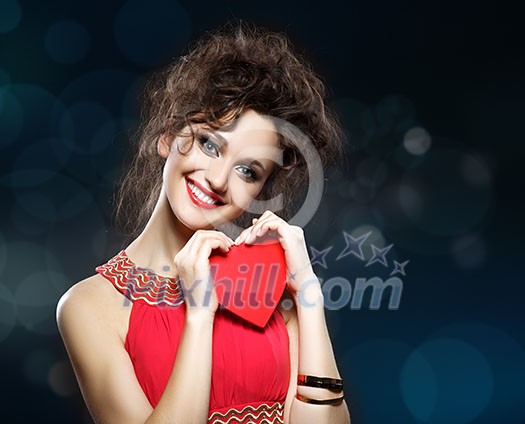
(199, 198)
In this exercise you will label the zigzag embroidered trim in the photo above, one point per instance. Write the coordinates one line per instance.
(263, 414)
(138, 283)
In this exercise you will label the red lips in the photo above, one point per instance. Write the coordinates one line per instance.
(199, 202)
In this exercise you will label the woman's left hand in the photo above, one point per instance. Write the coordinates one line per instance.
(299, 269)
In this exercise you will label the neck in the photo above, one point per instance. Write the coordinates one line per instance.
(161, 239)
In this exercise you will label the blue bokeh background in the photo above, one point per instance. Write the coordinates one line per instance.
(431, 97)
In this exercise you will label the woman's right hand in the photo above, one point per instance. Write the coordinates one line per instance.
(193, 266)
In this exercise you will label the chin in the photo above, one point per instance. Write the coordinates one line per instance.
(200, 221)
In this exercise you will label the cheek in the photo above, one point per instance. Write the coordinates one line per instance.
(179, 163)
(243, 194)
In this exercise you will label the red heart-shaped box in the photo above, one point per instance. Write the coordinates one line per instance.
(250, 279)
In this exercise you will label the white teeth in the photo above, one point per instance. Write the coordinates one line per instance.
(205, 198)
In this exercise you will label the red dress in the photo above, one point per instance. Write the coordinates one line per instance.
(250, 366)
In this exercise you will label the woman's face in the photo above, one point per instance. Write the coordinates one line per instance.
(216, 180)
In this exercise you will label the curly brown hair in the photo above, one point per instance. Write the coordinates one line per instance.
(238, 66)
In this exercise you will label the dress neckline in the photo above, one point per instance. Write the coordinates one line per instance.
(147, 270)
(140, 283)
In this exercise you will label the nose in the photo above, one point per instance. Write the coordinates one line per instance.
(217, 175)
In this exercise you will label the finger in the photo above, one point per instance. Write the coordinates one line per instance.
(245, 234)
(255, 227)
(240, 238)
(269, 217)
(228, 239)
(257, 222)
(207, 234)
(263, 228)
(204, 244)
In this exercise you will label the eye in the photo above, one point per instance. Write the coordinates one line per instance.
(247, 173)
(208, 145)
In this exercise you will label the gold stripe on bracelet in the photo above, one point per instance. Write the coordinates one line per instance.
(334, 401)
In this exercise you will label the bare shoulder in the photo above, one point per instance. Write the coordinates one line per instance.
(91, 292)
(93, 299)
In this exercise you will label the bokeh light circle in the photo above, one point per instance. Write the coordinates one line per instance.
(148, 44)
(507, 360)
(372, 171)
(38, 205)
(106, 87)
(11, 15)
(392, 110)
(343, 189)
(446, 381)
(436, 197)
(11, 117)
(36, 366)
(362, 191)
(358, 217)
(81, 124)
(67, 41)
(36, 298)
(62, 379)
(475, 171)
(31, 113)
(399, 228)
(417, 141)
(376, 237)
(420, 400)
(23, 218)
(469, 251)
(48, 154)
(64, 197)
(79, 217)
(24, 259)
(372, 369)
(34, 276)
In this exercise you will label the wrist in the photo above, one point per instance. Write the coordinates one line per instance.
(199, 317)
(310, 294)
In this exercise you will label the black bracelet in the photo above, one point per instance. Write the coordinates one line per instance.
(335, 384)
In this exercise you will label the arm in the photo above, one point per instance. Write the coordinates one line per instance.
(314, 356)
(310, 346)
(105, 372)
(102, 366)
(86, 315)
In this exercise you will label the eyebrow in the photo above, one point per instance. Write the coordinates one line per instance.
(257, 163)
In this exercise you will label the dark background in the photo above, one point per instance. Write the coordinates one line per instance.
(431, 98)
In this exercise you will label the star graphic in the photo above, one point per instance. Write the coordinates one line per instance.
(379, 255)
(353, 246)
(319, 256)
(399, 267)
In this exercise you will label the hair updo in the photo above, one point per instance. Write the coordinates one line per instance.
(236, 67)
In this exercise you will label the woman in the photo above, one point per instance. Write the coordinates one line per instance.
(216, 140)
